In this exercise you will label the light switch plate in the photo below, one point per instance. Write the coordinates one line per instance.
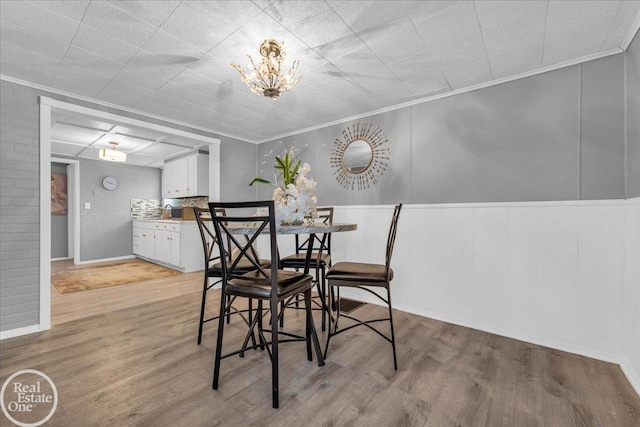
(87, 205)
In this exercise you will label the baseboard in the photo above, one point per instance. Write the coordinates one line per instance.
(557, 345)
(118, 258)
(12, 333)
(61, 258)
(631, 374)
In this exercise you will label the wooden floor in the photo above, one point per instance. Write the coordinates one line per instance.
(134, 361)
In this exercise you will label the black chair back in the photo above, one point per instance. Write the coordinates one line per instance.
(225, 216)
(323, 241)
(391, 239)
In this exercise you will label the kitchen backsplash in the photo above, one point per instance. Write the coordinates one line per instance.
(194, 202)
(146, 208)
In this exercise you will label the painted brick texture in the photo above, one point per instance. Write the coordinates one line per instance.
(19, 207)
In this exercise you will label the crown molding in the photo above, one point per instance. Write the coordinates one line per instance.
(631, 34)
(560, 65)
(119, 107)
(453, 93)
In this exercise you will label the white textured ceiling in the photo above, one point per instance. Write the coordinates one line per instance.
(83, 137)
(171, 58)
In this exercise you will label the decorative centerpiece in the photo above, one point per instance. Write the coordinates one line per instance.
(294, 193)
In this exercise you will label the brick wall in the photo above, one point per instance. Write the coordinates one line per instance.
(19, 207)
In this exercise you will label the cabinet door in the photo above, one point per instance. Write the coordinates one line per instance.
(174, 179)
(166, 247)
(145, 247)
(175, 248)
(157, 244)
(137, 237)
(192, 175)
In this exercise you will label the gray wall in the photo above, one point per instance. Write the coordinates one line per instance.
(19, 207)
(553, 136)
(19, 196)
(59, 223)
(105, 229)
(633, 118)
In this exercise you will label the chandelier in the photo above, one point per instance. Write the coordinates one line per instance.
(111, 154)
(267, 77)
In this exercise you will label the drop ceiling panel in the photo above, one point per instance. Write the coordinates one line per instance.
(109, 19)
(80, 121)
(163, 150)
(155, 12)
(171, 58)
(19, 16)
(214, 21)
(75, 134)
(102, 44)
(63, 149)
(69, 9)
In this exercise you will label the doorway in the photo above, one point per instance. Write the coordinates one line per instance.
(65, 226)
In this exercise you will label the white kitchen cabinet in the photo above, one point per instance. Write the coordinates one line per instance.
(172, 243)
(186, 177)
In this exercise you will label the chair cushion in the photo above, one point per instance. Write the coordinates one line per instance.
(298, 260)
(255, 285)
(244, 266)
(358, 272)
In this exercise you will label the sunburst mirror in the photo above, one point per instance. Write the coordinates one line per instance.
(358, 156)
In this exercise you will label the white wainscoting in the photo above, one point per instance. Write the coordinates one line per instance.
(560, 274)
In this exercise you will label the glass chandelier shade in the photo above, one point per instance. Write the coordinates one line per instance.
(111, 154)
(268, 78)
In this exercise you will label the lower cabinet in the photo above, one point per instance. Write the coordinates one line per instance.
(174, 244)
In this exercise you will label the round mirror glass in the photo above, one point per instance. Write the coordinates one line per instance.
(357, 156)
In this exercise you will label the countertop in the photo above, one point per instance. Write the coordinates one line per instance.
(170, 221)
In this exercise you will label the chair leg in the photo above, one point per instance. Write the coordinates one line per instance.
(308, 325)
(216, 366)
(281, 314)
(204, 300)
(228, 312)
(312, 330)
(260, 328)
(274, 354)
(393, 337)
(323, 295)
(332, 329)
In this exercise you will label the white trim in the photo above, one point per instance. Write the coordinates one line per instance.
(73, 191)
(453, 93)
(117, 258)
(61, 258)
(125, 120)
(45, 217)
(12, 333)
(118, 107)
(632, 376)
(635, 27)
(604, 202)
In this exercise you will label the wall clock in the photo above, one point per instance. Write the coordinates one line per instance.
(110, 183)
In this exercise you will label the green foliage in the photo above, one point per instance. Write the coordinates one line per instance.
(287, 167)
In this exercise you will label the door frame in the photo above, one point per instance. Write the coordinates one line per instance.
(46, 106)
(73, 207)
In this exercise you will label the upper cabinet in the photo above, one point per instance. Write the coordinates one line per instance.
(186, 177)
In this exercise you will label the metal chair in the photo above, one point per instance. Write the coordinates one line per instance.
(213, 265)
(272, 285)
(320, 258)
(364, 276)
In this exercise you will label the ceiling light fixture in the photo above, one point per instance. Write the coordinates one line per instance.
(111, 154)
(267, 78)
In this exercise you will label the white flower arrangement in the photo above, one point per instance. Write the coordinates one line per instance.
(294, 195)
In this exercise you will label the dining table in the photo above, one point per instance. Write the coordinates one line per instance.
(312, 229)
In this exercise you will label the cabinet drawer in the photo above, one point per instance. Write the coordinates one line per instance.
(146, 225)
